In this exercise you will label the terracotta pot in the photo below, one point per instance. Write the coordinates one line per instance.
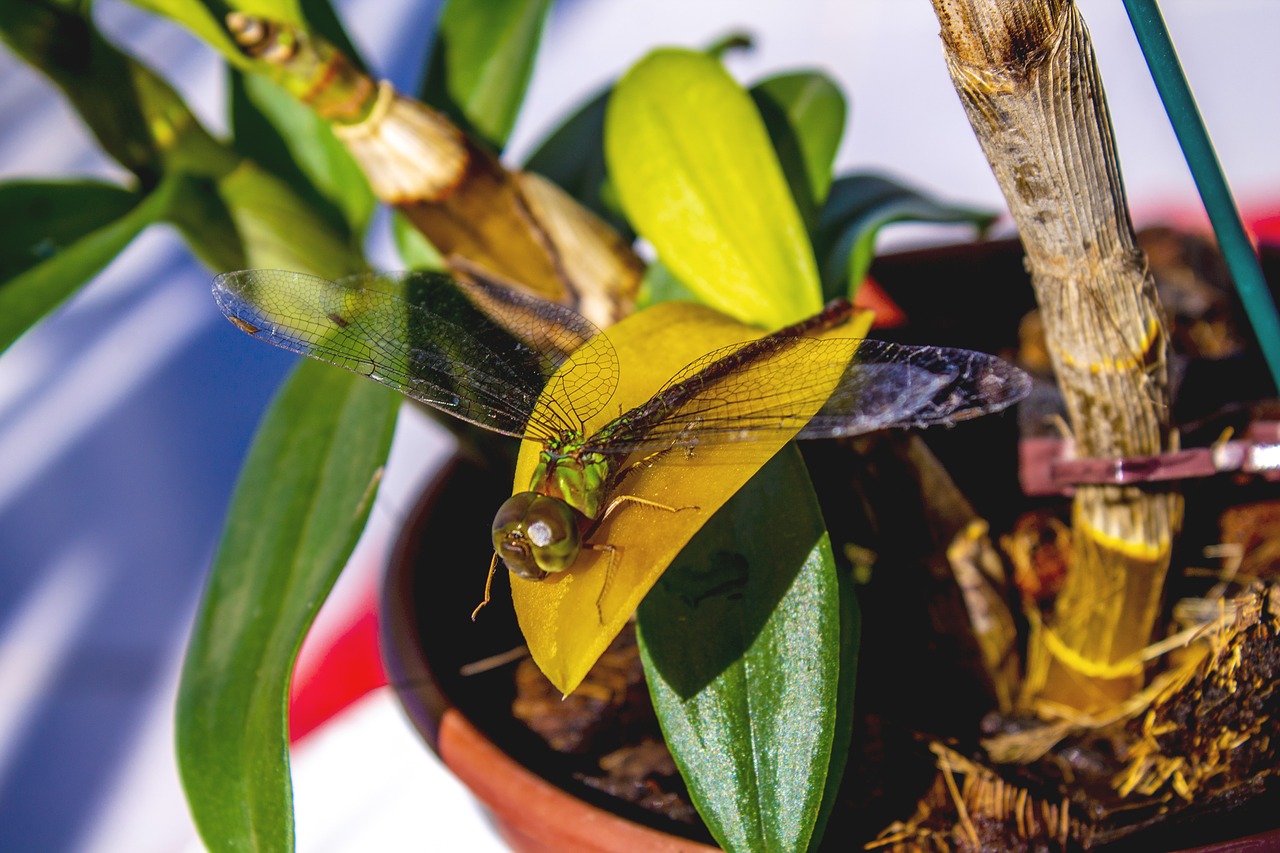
(432, 585)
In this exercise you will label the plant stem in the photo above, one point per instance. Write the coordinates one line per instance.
(1166, 71)
(1026, 75)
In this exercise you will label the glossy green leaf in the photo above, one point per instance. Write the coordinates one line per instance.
(300, 505)
(287, 138)
(481, 63)
(741, 640)
(804, 113)
(57, 236)
(858, 206)
(850, 643)
(573, 154)
(693, 166)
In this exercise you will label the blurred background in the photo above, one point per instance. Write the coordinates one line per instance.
(124, 416)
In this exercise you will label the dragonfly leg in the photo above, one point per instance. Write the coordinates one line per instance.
(635, 499)
(488, 584)
(645, 462)
(612, 551)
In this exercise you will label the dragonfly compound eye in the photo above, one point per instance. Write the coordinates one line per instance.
(536, 535)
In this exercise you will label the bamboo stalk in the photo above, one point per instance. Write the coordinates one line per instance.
(473, 210)
(1026, 75)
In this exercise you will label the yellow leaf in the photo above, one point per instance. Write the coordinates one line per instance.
(569, 619)
(695, 171)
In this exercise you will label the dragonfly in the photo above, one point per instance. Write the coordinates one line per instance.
(536, 370)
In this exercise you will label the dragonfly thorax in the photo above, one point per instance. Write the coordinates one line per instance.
(574, 475)
(536, 535)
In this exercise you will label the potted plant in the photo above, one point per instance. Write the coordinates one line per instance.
(674, 119)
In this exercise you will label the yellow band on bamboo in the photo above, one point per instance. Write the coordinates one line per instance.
(1143, 355)
(1155, 553)
(1072, 659)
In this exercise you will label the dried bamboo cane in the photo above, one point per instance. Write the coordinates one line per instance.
(1026, 74)
(478, 214)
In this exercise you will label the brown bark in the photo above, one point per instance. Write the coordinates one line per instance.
(1027, 78)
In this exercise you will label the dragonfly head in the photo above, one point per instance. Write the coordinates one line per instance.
(536, 535)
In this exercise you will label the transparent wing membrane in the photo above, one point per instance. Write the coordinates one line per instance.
(478, 352)
(486, 354)
(855, 386)
(894, 385)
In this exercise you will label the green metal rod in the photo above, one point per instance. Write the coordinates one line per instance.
(1171, 83)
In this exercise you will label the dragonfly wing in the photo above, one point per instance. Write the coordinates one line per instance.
(476, 351)
(586, 383)
(895, 385)
(854, 386)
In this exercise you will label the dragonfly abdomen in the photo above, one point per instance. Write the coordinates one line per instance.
(639, 421)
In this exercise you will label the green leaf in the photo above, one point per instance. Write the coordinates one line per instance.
(250, 218)
(205, 18)
(45, 218)
(850, 643)
(287, 138)
(481, 63)
(300, 505)
(693, 166)
(741, 641)
(280, 230)
(415, 250)
(201, 214)
(659, 285)
(859, 205)
(289, 11)
(66, 47)
(135, 115)
(573, 155)
(57, 236)
(804, 113)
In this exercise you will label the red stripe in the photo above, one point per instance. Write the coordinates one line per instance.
(349, 669)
